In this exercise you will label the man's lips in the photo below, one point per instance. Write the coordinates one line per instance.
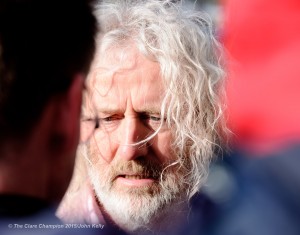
(134, 177)
(135, 180)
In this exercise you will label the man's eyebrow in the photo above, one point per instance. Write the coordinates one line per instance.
(88, 111)
(108, 110)
(149, 110)
(112, 110)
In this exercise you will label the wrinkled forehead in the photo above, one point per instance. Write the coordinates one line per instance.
(125, 61)
(119, 71)
(116, 58)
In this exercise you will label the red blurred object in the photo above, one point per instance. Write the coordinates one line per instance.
(263, 41)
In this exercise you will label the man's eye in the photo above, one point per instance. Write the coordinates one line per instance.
(109, 123)
(153, 121)
(155, 118)
(107, 119)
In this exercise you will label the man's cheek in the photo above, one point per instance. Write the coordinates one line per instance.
(163, 148)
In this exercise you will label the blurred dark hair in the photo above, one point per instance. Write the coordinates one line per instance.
(43, 44)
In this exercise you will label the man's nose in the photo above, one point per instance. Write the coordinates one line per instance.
(132, 136)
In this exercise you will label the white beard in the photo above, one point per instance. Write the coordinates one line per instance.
(140, 210)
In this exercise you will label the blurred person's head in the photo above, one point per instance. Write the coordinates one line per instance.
(45, 52)
(153, 102)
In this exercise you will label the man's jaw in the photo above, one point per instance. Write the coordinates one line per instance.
(136, 209)
(139, 197)
(146, 219)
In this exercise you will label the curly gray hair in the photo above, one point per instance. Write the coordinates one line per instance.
(182, 42)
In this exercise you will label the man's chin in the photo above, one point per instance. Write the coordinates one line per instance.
(136, 192)
(135, 209)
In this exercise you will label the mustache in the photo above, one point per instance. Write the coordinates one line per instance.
(141, 167)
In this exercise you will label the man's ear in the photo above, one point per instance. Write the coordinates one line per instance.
(66, 110)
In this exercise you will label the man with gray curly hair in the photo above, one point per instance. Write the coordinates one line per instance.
(152, 116)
